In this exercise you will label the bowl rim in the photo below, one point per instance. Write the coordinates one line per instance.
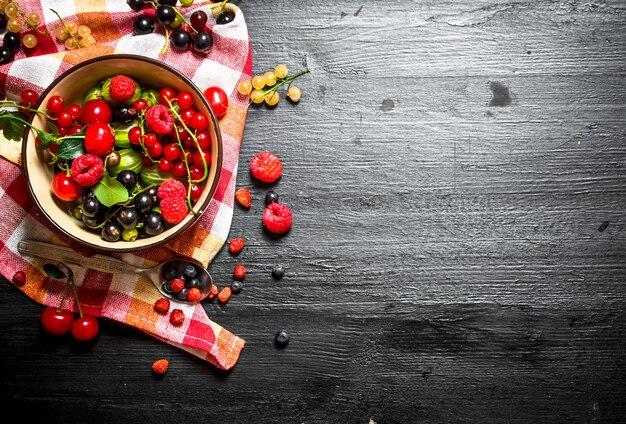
(203, 206)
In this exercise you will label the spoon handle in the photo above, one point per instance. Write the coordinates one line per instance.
(66, 254)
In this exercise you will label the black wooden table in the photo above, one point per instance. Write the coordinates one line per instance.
(457, 171)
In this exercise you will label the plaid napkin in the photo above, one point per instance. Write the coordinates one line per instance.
(124, 298)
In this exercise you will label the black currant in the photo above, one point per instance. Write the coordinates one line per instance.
(167, 287)
(90, 206)
(202, 42)
(182, 295)
(194, 282)
(128, 178)
(111, 232)
(3, 23)
(165, 14)
(226, 17)
(136, 4)
(278, 272)
(190, 271)
(169, 273)
(153, 191)
(271, 197)
(153, 224)
(12, 41)
(180, 39)
(282, 338)
(90, 221)
(124, 114)
(143, 25)
(236, 286)
(128, 218)
(143, 202)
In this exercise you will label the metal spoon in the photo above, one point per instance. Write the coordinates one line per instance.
(107, 264)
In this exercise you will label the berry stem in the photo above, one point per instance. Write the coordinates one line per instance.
(186, 162)
(185, 20)
(11, 103)
(167, 39)
(288, 80)
(78, 43)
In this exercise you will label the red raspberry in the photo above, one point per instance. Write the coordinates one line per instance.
(243, 197)
(160, 366)
(277, 218)
(162, 306)
(122, 88)
(177, 285)
(174, 209)
(194, 294)
(236, 245)
(177, 317)
(224, 294)
(239, 273)
(87, 169)
(19, 278)
(266, 167)
(172, 188)
(213, 292)
(160, 119)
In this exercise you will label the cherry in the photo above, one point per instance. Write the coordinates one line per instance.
(65, 120)
(56, 104)
(96, 110)
(57, 321)
(166, 93)
(99, 139)
(85, 328)
(171, 152)
(65, 188)
(199, 121)
(29, 97)
(185, 100)
(218, 100)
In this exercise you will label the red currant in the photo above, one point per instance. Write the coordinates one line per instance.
(140, 104)
(65, 120)
(204, 139)
(56, 321)
(179, 169)
(134, 135)
(187, 115)
(199, 121)
(29, 97)
(165, 165)
(22, 110)
(85, 328)
(75, 111)
(179, 133)
(65, 188)
(186, 155)
(218, 100)
(150, 140)
(166, 93)
(155, 151)
(195, 173)
(146, 160)
(171, 151)
(196, 191)
(185, 100)
(74, 129)
(56, 104)
(197, 159)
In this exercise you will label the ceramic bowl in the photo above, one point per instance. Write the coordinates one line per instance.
(72, 86)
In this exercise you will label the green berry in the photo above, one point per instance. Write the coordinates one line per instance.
(186, 2)
(130, 234)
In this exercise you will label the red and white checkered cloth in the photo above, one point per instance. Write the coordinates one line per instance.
(124, 298)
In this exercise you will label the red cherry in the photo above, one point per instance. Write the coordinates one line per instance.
(171, 151)
(204, 139)
(140, 104)
(56, 321)
(96, 110)
(56, 104)
(65, 188)
(134, 135)
(85, 328)
(197, 159)
(150, 140)
(199, 121)
(196, 191)
(155, 151)
(75, 111)
(99, 139)
(218, 100)
(29, 97)
(179, 169)
(165, 165)
(65, 120)
(166, 93)
(185, 100)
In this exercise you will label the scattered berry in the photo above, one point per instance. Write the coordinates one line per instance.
(19, 278)
(236, 245)
(174, 209)
(177, 285)
(85, 328)
(160, 366)
(194, 294)
(266, 167)
(270, 197)
(239, 273)
(277, 218)
(224, 294)
(236, 286)
(278, 272)
(243, 197)
(57, 321)
(177, 317)
(162, 306)
(213, 292)
(122, 88)
(172, 188)
(160, 119)
(281, 339)
(294, 94)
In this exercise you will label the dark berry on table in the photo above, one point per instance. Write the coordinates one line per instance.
(90, 221)
(198, 20)
(6, 55)
(128, 178)
(143, 25)
(136, 5)
(111, 232)
(124, 114)
(190, 271)
(271, 197)
(278, 272)
(3, 23)
(168, 2)
(128, 218)
(12, 41)
(194, 283)
(182, 295)
(90, 206)
(180, 39)
(236, 286)
(202, 42)
(282, 338)
(169, 273)
(143, 202)
(167, 287)
(225, 17)
(153, 224)
(165, 14)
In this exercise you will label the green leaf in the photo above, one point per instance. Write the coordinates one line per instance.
(54, 271)
(11, 127)
(110, 191)
(70, 148)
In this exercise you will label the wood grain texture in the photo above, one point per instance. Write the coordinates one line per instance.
(457, 173)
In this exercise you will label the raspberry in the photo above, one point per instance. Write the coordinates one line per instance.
(266, 167)
(213, 292)
(236, 245)
(122, 88)
(239, 272)
(162, 306)
(277, 218)
(224, 294)
(174, 209)
(243, 197)
(171, 188)
(194, 294)
(177, 284)
(19, 278)
(160, 366)
(177, 317)
(160, 119)
(87, 169)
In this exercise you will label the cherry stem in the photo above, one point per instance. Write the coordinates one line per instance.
(70, 278)
(67, 281)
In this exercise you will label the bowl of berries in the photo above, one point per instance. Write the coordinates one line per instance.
(121, 153)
